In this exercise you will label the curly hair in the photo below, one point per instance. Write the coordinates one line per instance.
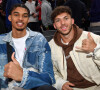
(60, 9)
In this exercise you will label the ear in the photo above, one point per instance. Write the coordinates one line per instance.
(9, 17)
(72, 21)
(54, 26)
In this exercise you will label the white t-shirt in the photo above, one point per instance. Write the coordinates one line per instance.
(64, 43)
(20, 47)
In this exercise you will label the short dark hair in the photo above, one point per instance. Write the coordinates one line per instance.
(60, 9)
(19, 5)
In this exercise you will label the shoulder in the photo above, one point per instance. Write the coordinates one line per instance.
(37, 34)
(33, 2)
(2, 43)
(44, 4)
(52, 44)
(38, 37)
(2, 37)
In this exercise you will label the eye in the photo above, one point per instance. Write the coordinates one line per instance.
(25, 15)
(57, 20)
(16, 15)
(66, 18)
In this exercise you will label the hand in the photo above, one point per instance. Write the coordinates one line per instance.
(13, 70)
(34, 15)
(88, 44)
(67, 85)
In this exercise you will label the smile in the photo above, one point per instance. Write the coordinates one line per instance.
(63, 28)
(19, 24)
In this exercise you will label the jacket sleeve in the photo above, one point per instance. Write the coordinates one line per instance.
(59, 80)
(44, 75)
(96, 54)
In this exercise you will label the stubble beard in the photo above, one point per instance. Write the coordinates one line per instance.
(64, 34)
(20, 29)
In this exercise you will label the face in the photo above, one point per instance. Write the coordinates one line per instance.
(63, 23)
(19, 19)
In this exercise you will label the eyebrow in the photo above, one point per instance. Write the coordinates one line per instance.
(18, 12)
(63, 17)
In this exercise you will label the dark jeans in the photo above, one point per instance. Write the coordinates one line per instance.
(45, 87)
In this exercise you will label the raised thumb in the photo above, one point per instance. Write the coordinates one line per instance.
(13, 58)
(89, 36)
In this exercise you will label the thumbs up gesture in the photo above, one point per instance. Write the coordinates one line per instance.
(88, 44)
(13, 70)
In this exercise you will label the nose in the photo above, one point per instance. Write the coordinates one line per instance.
(20, 17)
(62, 21)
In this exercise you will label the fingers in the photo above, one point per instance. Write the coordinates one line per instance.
(13, 58)
(89, 36)
(13, 69)
(79, 48)
(7, 69)
(67, 86)
(87, 44)
(71, 84)
(82, 49)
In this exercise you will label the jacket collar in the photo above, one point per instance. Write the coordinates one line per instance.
(8, 37)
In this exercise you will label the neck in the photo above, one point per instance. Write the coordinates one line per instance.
(18, 34)
(68, 38)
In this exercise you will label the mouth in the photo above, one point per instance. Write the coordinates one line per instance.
(20, 24)
(64, 28)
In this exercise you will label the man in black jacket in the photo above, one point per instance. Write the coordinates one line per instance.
(79, 11)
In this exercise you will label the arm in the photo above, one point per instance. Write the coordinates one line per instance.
(61, 84)
(96, 55)
(59, 80)
(60, 77)
(59, 67)
(91, 45)
(44, 74)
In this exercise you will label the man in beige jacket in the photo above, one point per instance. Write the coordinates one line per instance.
(75, 54)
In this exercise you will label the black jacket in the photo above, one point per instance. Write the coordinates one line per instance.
(79, 11)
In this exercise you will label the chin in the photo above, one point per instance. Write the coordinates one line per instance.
(20, 29)
(65, 33)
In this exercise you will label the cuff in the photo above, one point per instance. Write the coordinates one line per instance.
(24, 79)
(59, 84)
(92, 54)
(97, 48)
